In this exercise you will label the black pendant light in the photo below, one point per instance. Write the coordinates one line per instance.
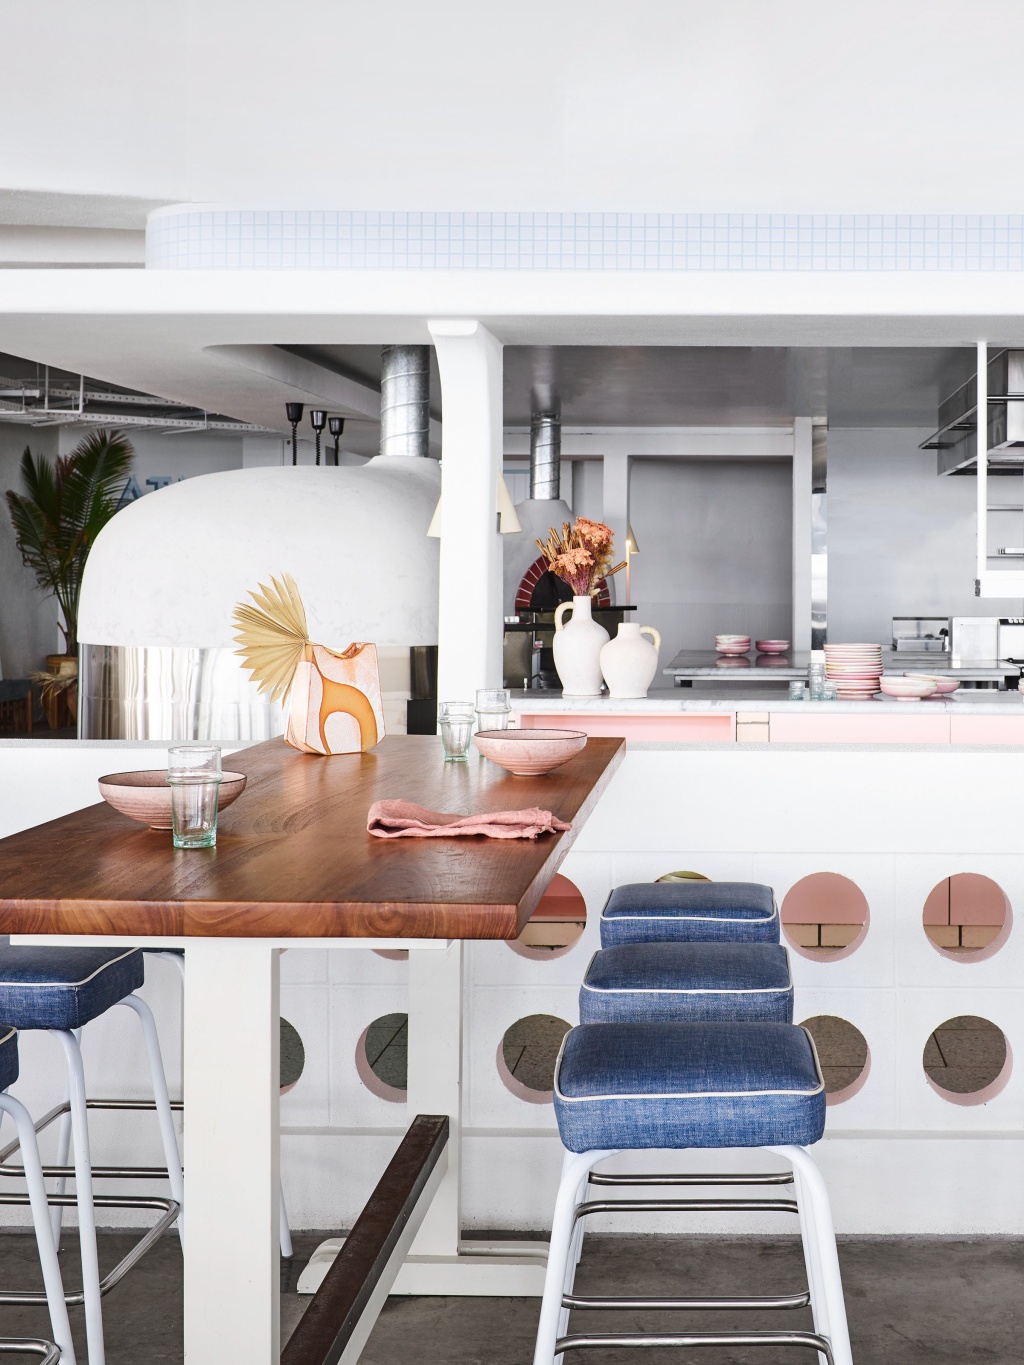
(318, 419)
(294, 411)
(336, 425)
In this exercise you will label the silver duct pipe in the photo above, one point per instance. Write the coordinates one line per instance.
(545, 456)
(405, 401)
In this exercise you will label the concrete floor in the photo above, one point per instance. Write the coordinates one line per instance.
(911, 1301)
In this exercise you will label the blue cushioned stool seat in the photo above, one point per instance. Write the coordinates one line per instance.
(63, 988)
(688, 1085)
(8, 1056)
(688, 982)
(690, 912)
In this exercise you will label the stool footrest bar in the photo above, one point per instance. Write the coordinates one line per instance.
(167, 1207)
(580, 1341)
(762, 1301)
(686, 1206)
(51, 1115)
(30, 1346)
(695, 1178)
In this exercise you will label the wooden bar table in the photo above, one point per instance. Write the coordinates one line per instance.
(295, 866)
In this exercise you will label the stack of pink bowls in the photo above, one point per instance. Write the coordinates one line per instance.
(855, 670)
(732, 644)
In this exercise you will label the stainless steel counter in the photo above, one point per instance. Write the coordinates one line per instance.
(704, 665)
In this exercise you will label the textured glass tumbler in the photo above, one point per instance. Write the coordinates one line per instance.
(194, 810)
(455, 721)
(493, 708)
(194, 776)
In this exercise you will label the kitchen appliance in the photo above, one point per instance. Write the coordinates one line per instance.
(920, 634)
(975, 637)
(1010, 639)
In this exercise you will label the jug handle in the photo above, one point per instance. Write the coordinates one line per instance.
(655, 636)
(559, 610)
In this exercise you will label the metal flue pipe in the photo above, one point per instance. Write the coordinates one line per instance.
(405, 401)
(545, 456)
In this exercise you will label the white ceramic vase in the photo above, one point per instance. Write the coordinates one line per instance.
(629, 662)
(577, 649)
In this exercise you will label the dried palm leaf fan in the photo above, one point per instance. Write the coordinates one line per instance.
(334, 700)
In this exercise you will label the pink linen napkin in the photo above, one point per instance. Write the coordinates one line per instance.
(405, 820)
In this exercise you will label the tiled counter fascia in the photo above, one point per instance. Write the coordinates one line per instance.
(667, 717)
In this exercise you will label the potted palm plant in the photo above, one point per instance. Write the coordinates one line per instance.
(64, 505)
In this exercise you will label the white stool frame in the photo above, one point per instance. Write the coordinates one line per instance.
(75, 1125)
(830, 1338)
(53, 1285)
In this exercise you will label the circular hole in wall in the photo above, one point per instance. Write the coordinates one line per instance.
(392, 954)
(825, 916)
(556, 924)
(843, 1054)
(967, 1060)
(683, 876)
(527, 1054)
(967, 917)
(382, 1057)
(293, 1056)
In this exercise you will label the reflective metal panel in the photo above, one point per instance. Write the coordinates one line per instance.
(172, 694)
(819, 536)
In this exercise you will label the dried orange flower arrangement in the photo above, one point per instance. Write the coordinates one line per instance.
(581, 555)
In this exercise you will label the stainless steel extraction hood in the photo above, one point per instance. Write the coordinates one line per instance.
(956, 438)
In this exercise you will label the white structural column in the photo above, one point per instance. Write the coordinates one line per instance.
(470, 626)
(615, 505)
(802, 548)
(232, 1267)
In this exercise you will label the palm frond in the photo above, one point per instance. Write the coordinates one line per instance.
(272, 635)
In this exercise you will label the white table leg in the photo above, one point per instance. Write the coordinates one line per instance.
(232, 1276)
(440, 1263)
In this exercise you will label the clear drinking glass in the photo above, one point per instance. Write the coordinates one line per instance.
(455, 721)
(194, 775)
(493, 708)
(797, 690)
(816, 680)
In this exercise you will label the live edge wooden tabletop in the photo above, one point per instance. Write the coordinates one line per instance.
(293, 858)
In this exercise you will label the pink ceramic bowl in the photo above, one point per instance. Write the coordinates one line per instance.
(145, 796)
(906, 689)
(527, 753)
(943, 683)
(772, 646)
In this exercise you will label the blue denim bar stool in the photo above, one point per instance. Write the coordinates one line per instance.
(59, 991)
(688, 982)
(62, 1346)
(690, 912)
(680, 1086)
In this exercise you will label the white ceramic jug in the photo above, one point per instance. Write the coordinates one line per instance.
(577, 649)
(628, 662)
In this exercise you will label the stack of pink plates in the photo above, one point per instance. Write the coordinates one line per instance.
(732, 644)
(855, 670)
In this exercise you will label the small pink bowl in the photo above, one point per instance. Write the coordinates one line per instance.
(146, 796)
(528, 753)
(943, 684)
(906, 689)
(772, 646)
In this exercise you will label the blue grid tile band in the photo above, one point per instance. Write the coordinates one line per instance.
(223, 239)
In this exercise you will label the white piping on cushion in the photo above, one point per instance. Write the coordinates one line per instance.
(50, 985)
(687, 1095)
(680, 990)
